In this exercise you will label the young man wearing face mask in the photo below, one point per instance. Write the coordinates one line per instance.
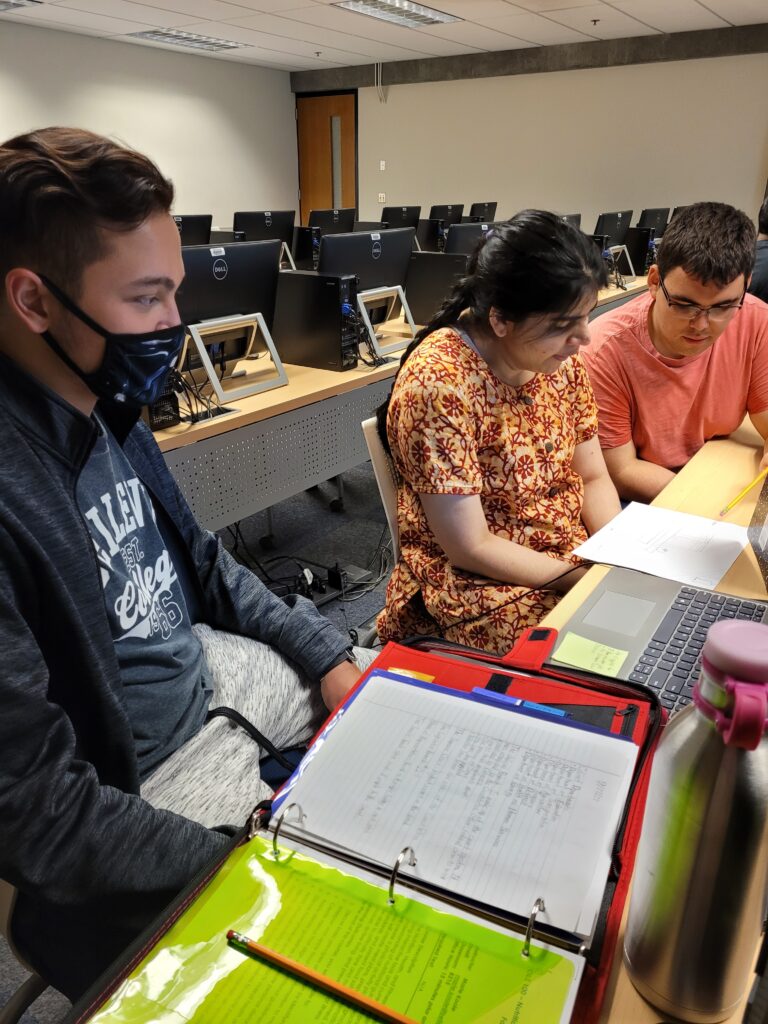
(111, 782)
(686, 361)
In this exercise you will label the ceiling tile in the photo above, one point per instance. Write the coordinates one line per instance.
(611, 24)
(273, 6)
(471, 10)
(296, 29)
(671, 15)
(542, 6)
(740, 12)
(266, 22)
(128, 11)
(535, 29)
(479, 36)
(376, 30)
(280, 61)
(214, 10)
(268, 41)
(75, 20)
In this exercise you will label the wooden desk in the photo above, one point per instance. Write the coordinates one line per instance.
(280, 442)
(713, 476)
(610, 298)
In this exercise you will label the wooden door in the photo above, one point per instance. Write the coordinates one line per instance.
(327, 141)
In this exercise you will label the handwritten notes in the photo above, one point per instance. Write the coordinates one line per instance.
(499, 806)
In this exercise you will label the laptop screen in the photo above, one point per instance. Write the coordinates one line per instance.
(757, 532)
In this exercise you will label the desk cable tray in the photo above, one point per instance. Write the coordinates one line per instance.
(256, 326)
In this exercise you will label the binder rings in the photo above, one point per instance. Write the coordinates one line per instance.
(432, 948)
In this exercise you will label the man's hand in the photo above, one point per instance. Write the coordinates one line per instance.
(335, 684)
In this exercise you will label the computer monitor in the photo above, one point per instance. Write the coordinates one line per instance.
(401, 216)
(333, 222)
(227, 300)
(573, 219)
(464, 238)
(450, 214)
(194, 228)
(226, 280)
(483, 212)
(263, 224)
(431, 276)
(677, 210)
(614, 225)
(379, 259)
(655, 218)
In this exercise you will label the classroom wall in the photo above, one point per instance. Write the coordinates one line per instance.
(224, 132)
(573, 141)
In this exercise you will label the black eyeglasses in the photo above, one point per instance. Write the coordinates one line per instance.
(689, 311)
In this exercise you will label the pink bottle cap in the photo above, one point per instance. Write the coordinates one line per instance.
(739, 649)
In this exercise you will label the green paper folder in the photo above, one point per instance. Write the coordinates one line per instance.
(434, 966)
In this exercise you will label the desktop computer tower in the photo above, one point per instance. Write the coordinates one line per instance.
(638, 242)
(306, 247)
(430, 235)
(316, 319)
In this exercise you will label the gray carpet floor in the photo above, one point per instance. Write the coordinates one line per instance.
(306, 535)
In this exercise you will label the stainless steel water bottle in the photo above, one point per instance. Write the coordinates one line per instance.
(699, 888)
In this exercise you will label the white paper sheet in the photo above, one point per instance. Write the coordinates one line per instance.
(674, 545)
(499, 807)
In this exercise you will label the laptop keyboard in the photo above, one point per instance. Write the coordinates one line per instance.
(671, 662)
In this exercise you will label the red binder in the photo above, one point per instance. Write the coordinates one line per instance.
(624, 708)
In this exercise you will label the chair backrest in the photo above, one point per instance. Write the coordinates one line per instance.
(386, 478)
(16, 1006)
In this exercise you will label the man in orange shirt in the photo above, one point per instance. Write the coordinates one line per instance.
(685, 361)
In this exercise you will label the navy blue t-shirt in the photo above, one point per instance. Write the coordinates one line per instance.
(165, 683)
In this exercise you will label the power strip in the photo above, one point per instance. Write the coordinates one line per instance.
(350, 575)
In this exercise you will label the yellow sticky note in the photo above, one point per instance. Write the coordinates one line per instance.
(590, 655)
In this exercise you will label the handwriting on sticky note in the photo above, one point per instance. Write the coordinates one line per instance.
(590, 655)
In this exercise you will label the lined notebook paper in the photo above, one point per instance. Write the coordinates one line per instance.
(501, 807)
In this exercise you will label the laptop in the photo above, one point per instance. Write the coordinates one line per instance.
(661, 624)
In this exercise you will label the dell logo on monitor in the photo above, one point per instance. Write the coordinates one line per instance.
(220, 269)
(376, 250)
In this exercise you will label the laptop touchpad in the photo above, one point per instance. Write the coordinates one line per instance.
(619, 613)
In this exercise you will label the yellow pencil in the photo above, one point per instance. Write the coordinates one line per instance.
(334, 988)
(746, 490)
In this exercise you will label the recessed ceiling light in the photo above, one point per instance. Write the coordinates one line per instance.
(16, 5)
(188, 39)
(400, 12)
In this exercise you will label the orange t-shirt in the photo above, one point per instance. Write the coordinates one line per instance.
(670, 407)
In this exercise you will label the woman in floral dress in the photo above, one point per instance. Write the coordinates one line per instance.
(493, 429)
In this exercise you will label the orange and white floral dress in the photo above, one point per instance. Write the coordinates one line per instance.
(455, 428)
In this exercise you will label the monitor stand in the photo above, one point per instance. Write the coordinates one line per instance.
(285, 256)
(380, 345)
(257, 325)
(620, 252)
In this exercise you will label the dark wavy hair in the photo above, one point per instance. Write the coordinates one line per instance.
(533, 264)
(762, 218)
(712, 242)
(59, 187)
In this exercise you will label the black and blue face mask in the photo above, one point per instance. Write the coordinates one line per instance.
(135, 366)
